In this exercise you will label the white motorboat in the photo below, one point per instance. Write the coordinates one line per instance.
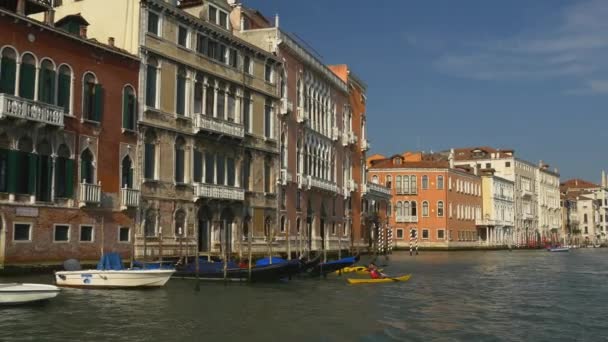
(113, 278)
(18, 293)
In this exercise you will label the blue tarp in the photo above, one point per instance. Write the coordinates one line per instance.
(210, 267)
(266, 261)
(349, 260)
(110, 261)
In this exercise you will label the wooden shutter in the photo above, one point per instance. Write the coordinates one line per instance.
(126, 120)
(198, 170)
(98, 103)
(180, 107)
(13, 161)
(151, 87)
(63, 92)
(69, 178)
(33, 167)
(8, 71)
(27, 80)
(46, 86)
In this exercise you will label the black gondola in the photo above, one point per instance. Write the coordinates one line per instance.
(215, 271)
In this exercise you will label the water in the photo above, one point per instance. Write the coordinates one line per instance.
(456, 296)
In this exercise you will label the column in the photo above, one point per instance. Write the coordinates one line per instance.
(215, 99)
(53, 163)
(237, 172)
(226, 95)
(18, 78)
(237, 106)
(204, 105)
(487, 235)
(36, 81)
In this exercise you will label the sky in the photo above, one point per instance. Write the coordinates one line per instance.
(526, 75)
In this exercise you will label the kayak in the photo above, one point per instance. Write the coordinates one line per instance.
(383, 280)
(355, 269)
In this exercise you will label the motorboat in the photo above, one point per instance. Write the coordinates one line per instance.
(558, 249)
(111, 274)
(20, 293)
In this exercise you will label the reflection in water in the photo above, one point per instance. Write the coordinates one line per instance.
(462, 296)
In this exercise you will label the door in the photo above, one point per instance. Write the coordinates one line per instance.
(203, 236)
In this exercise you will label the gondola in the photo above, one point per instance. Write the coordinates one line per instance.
(214, 271)
(324, 268)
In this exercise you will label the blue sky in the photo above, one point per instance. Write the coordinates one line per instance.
(521, 74)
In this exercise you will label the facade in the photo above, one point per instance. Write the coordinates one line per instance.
(528, 189)
(586, 204)
(320, 151)
(208, 135)
(498, 211)
(64, 99)
(434, 197)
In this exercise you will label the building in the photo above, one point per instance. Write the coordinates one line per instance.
(533, 183)
(437, 199)
(320, 151)
(586, 205)
(207, 129)
(495, 226)
(66, 162)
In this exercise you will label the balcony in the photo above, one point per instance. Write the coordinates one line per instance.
(304, 182)
(335, 133)
(352, 138)
(485, 222)
(286, 106)
(300, 116)
(376, 189)
(129, 198)
(406, 219)
(526, 193)
(20, 108)
(528, 216)
(324, 185)
(365, 145)
(215, 125)
(284, 177)
(90, 194)
(221, 192)
(345, 139)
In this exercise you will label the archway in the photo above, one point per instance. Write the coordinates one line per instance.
(204, 233)
(226, 220)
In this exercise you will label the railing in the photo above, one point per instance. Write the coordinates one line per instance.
(324, 185)
(90, 193)
(207, 123)
(20, 108)
(202, 190)
(335, 133)
(286, 106)
(300, 116)
(129, 198)
(485, 222)
(406, 219)
(285, 177)
(304, 182)
(373, 187)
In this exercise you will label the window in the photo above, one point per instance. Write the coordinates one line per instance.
(197, 161)
(223, 19)
(507, 164)
(440, 234)
(333, 229)
(414, 211)
(22, 232)
(92, 100)
(246, 170)
(399, 190)
(375, 179)
(298, 200)
(27, 76)
(440, 209)
(153, 23)
(209, 168)
(126, 173)
(425, 182)
(128, 108)
(230, 171)
(440, 182)
(87, 170)
(180, 223)
(64, 173)
(267, 176)
(283, 223)
(201, 44)
(43, 171)
(180, 96)
(268, 72)
(46, 82)
(247, 111)
(425, 208)
(488, 165)
(151, 82)
(298, 224)
(61, 233)
(399, 233)
(150, 155)
(231, 104)
(221, 167)
(86, 234)
(247, 65)
(268, 118)
(221, 104)
(389, 181)
(182, 37)
(8, 71)
(584, 218)
(425, 234)
(179, 160)
(124, 234)
(233, 59)
(213, 14)
(406, 185)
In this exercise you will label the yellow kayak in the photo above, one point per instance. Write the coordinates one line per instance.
(383, 280)
(355, 269)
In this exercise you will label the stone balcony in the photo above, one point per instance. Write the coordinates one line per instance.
(221, 192)
(285, 177)
(90, 194)
(365, 145)
(129, 198)
(406, 219)
(286, 106)
(301, 116)
(215, 125)
(526, 193)
(322, 184)
(20, 108)
(304, 182)
(375, 189)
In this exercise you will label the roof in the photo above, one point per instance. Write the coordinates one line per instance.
(577, 183)
(388, 163)
(481, 152)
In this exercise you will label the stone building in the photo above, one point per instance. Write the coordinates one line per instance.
(495, 227)
(66, 162)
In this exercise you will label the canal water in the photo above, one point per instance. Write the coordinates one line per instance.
(456, 296)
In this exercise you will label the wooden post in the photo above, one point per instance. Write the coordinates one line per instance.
(288, 240)
(340, 232)
(249, 238)
(324, 243)
(102, 236)
(132, 239)
(160, 244)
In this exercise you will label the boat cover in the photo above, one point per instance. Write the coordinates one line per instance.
(110, 261)
(266, 261)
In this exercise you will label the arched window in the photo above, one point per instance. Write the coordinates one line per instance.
(221, 102)
(298, 223)
(230, 171)
(27, 76)
(406, 209)
(389, 181)
(220, 162)
(129, 107)
(180, 223)
(425, 208)
(87, 171)
(64, 173)
(180, 96)
(425, 182)
(406, 185)
(46, 82)
(151, 82)
(399, 190)
(375, 179)
(150, 225)
(231, 112)
(413, 208)
(92, 97)
(440, 182)
(179, 159)
(64, 88)
(283, 151)
(8, 71)
(283, 224)
(26, 167)
(399, 209)
(440, 209)
(413, 186)
(127, 173)
(267, 223)
(198, 93)
(44, 172)
(150, 155)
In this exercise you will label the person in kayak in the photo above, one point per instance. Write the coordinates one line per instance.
(374, 273)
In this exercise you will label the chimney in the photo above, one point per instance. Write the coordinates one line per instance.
(451, 158)
(242, 28)
(276, 21)
(49, 17)
(111, 41)
(83, 32)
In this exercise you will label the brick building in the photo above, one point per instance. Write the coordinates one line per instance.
(437, 199)
(64, 103)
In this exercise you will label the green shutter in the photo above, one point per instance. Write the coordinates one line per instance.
(33, 167)
(13, 161)
(98, 103)
(69, 178)
(8, 71)
(198, 163)
(126, 119)
(181, 96)
(27, 80)
(151, 87)
(46, 86)
(63, 92)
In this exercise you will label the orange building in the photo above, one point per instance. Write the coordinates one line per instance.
(438, 200)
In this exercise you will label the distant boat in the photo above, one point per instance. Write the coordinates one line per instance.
(18, 293)
(380, 280)
(559, 249)
(111, 274)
